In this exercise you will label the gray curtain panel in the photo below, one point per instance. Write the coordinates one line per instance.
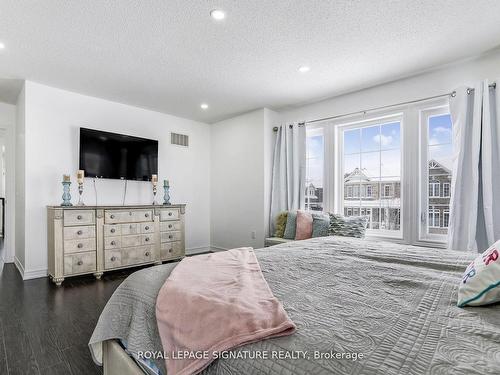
(289, 168)
(475, 200)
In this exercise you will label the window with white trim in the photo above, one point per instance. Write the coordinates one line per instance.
(436, 149)
(371, 158)
(314, 169)
(446, 190)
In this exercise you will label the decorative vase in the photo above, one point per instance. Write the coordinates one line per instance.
(154, 182)
(66, 197)
(166, 193)
(79, 178)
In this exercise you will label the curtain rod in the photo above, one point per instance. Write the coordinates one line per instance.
(452, 94)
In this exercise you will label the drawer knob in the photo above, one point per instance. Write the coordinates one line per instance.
(79, 217)
(131, 226)
(112, 216)
(146, 215)
(113, 243)
(130, 213)
(170, 226)
(170, 236)
(146, 239)
(80, 232)
(79, 263)
(170, 250)
(146, 227)
(147, 253)
(80, 245)
(170, 214)
(113, 259)
(113, 230)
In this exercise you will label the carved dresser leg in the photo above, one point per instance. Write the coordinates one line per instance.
(98, 275)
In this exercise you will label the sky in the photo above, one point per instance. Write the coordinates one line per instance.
(376, 149)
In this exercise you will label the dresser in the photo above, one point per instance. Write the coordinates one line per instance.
(94, 239)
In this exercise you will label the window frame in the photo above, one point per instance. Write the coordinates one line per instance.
(438, 108)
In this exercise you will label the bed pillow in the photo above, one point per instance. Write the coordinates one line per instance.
(291, 222)
(321, 225)
(348, 226)
(304, 227)
(280, 224)
(481, 281)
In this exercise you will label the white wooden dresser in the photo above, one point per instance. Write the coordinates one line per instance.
(95, 239)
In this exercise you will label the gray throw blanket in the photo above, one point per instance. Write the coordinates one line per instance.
(360, 307)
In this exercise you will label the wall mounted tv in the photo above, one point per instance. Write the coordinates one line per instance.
(117, 156)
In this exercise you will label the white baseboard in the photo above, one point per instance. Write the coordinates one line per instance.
(29, 274)
(197, 250)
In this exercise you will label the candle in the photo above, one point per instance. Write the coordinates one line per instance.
(154, 179)
(166, 183)
(79, 176)
(66, 178)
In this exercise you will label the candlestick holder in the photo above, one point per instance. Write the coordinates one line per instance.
(66, 197)
(166, 195)
(80, 192)
(155, 190)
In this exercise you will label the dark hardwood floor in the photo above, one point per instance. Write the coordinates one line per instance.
(45, 329)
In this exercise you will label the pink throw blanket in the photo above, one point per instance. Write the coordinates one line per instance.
(216, 302)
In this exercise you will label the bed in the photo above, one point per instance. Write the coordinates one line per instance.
(393, 304)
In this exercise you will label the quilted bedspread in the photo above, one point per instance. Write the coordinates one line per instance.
(361, 307)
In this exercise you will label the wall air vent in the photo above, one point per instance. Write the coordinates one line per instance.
(179, 139)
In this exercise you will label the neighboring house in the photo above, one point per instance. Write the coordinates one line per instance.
(439, 198)
(380, 200)
(314, 198)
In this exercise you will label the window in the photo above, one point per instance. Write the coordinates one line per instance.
(369, 190)
(436, 167)
(446, 190)
(433, 189)
(446, 218)
(387, 190)
(314, 169)
(371, 164)
(349, 192)
(434, 217)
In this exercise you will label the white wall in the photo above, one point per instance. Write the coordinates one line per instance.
(52, 122)
(20, 181)
(436, 82)
(7, 124)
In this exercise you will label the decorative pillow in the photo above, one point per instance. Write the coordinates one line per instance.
(291, 222)
(304, 227)
(481, 281)
(321, 224)
(280, 224)
(348, 226)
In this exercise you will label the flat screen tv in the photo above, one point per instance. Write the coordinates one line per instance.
(117, 156)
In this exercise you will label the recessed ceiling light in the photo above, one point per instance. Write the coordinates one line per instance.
(218, 14)
(304, 69)
(2, 46)
(204, 106)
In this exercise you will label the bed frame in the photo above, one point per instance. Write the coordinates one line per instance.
(116, 362)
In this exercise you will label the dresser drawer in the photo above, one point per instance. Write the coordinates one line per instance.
(169, 214)
(137, 255)
(112, 243)
(127, 216)
(130, 241)
(170, 225)
(112, 230)
(132, 228)
(112, 259)
(171, 250)
(80, 263)
(170, 236)
(72, 233)
(147, 239)
(79, 217)
(147, 228)
(79, 245)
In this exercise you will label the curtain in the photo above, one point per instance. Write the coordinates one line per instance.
(288, 175)
(474, 212)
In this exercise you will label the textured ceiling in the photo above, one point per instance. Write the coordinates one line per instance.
(170, 55)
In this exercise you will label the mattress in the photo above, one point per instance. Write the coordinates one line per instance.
(361, 307)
